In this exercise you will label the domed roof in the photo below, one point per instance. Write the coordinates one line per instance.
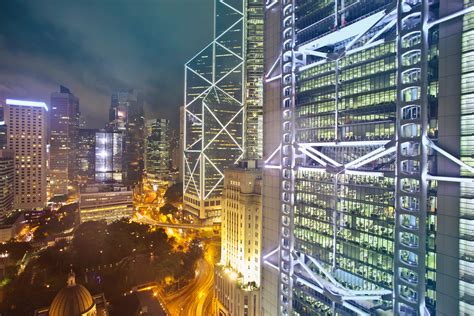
(73, 300)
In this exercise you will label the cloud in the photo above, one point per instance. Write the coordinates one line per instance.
(97, 46)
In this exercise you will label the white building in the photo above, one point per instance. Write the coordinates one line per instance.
(26, 130)
(237, 277)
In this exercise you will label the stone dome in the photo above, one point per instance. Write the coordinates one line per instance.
(73, 300)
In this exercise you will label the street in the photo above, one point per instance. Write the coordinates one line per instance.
(150, 303)
(196, 297)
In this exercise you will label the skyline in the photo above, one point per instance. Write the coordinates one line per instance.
(324, 163)
(44, 45)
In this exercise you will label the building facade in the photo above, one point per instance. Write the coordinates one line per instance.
(26, 130)
(103, 202)
(158, 152)
(64, 136)
(126, 114)
(375, 158)
(271, 205)
(86, 156)
(181, 145)
(108, 156)
(222, 104)
(7, 172)
(3, 129)
(237, 277)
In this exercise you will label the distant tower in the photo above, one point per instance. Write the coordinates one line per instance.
(127, 115)
(64, 126)
(108, 156)
(26, 129)
(82, 121)
(157, 152)
(86, 155)
(3, 129)
(181, 144)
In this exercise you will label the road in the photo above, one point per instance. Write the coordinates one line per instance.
(149, 221)
(150, 303)
(196, 297)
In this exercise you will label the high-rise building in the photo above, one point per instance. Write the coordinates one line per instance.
(64, 129)
(126, 114)
(223, 105)
(86, 155)
(237, 277)
(3, 129)
(175, 153)
(271, 205)
(26, 130)
(7, 172)
(158, 152)
(181, 145)
(82, 121)
(108, 156)
(375, 160)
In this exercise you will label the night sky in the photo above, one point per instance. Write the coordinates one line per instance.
(95, 47)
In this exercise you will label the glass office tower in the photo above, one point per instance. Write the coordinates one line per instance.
(375, 156)
(223, 89)
(126, 115)
(64, 138)
(158, 152)
(86, 156)
(108, 156)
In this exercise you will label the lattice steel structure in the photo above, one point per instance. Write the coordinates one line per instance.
(375, 156)
(223, 85)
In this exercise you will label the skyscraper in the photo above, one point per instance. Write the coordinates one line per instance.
(26, 130)
(108, 156)
(158, 152)
(181, 145)
(86, 155)
(222, 104)
(126, 114)
(237, 277)
(375, 158)
(3, 129)
(64, 129)
(7, 172)
(118, 113)
(271, 205)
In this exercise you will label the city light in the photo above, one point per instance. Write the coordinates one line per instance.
(323, 163)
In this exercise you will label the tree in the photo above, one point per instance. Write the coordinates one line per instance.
(168, 209)
(174, 194)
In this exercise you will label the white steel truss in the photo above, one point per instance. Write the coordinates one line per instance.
(214, 104)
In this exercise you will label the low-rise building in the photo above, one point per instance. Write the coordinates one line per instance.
(108, 202)
(75, 299)
(11, 226)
